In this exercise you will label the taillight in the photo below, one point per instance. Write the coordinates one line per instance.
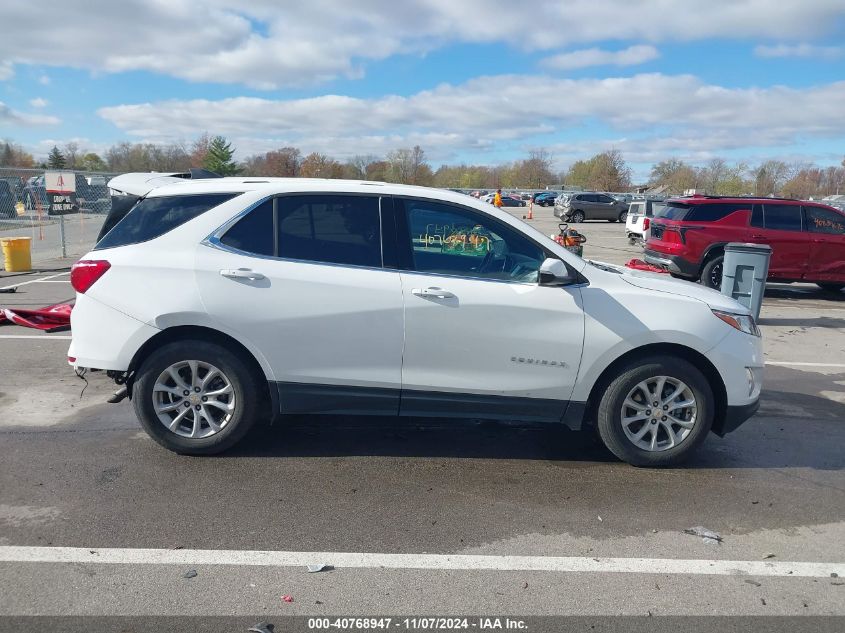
(672, 235)
(85, 272)
(646, 224)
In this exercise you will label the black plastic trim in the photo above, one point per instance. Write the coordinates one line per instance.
(735, 416)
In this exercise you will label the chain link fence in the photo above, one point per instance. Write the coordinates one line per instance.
(25, 212)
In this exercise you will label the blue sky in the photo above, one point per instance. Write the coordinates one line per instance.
(485, 81)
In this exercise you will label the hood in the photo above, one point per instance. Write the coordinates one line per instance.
(661, 282)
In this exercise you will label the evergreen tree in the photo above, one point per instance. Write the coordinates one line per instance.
(56, 160)
(220, 157)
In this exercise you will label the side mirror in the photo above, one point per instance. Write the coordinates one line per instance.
(554, 272)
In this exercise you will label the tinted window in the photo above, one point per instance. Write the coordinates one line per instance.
(782, 217)
(336, 229)
(757, 216)
(153, 217)
(821, 220)
(672, 211)
(253, 233)
(605, 199)
(456, 241)
(711, 212)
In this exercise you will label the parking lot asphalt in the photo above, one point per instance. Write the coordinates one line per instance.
(82, 490)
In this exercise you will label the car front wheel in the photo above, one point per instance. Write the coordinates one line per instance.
(656, 412)
(196, 397)
(711, 274)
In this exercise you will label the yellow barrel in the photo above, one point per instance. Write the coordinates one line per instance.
(16, 253)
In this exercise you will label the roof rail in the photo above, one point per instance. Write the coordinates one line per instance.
(711, 197)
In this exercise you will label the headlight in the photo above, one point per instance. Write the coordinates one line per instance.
(742, 322)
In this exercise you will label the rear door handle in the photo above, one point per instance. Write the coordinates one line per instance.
(436, 293)
(758, 237)
(241, 273)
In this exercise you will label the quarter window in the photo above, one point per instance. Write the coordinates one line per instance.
(782, 217)
(821, 220)
(253, 233)
(451, 240)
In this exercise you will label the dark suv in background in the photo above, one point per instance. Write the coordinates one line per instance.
(688, 238)
(591, 206)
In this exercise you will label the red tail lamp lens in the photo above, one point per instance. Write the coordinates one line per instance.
(85, 272)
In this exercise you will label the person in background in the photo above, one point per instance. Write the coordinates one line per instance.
(497, 199)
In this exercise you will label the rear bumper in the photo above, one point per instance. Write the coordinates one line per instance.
(672, 263)
(736, 415)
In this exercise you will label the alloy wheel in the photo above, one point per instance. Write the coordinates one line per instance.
(659, 413)
(193, 399)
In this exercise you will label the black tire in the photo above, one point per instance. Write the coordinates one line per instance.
(711, 274)
(623, 215)
(245, 385)
(577, 217)
(830, 286)
(609, 419)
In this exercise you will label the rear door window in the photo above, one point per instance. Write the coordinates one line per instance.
(337, 229)
(153, 217)
(782, 217)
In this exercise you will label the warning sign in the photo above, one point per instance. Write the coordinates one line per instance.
(61, 192)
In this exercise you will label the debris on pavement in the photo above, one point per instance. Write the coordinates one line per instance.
(191, 573)
(313, 569)
(261, 627)
(754, 582)
(769, 555)
(287, 598)
(54, 318)
(708, 536)
(833, 574)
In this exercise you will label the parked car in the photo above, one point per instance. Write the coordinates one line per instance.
(638, 222)
(507, 200)
(591, 206)
(807, 238)
(545, 199)
(379, 299)
(15, 186)
(8, 199)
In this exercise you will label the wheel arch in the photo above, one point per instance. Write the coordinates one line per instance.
(204, 333)
(696, 358)
(714, 250)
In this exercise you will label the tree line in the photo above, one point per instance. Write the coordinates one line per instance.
(606, 171)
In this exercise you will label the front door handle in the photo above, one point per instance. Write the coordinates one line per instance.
(758, 237)
(241, 273)
(437, 293)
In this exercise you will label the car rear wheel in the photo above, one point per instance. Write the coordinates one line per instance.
(656, 412)
(577, 216)
(711, 274)
(830, 286)
(623, 216)
(196, 397)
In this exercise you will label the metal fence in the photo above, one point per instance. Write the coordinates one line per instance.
(25, 212)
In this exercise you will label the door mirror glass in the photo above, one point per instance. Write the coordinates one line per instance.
(554, 272)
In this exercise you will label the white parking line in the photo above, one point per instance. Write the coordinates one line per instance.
(127, 556)
(34, 281)
(40, 337)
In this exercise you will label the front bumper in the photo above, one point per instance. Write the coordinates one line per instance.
(735, 416)
(672, 263)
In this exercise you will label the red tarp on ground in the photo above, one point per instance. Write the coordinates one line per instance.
(55, 318)
(638, 264)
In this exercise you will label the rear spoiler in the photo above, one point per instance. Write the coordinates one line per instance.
(140, 184)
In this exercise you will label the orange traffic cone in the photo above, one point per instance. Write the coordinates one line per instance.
(530, 215)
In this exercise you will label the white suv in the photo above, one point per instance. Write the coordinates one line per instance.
(222, 303)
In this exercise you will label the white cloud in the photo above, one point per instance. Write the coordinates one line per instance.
(268, 44)
(7, 71)
(44, 80)
(38, 102)
(799, 50)
(584, 58)
(13, 117)
(495, 111)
